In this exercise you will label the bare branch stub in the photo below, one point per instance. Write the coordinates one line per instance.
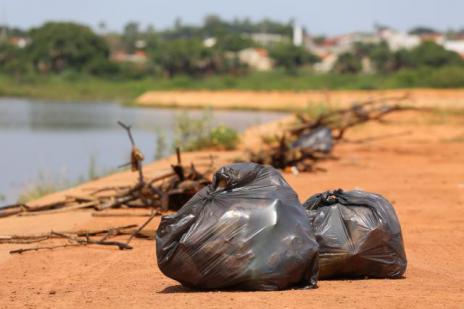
(136, 155)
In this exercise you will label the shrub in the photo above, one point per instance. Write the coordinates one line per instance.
(195, 134)
(224, 137)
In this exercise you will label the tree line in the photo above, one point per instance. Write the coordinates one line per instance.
(426, 55)
(60, 47)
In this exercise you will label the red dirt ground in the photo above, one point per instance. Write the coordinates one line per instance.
(421, 173)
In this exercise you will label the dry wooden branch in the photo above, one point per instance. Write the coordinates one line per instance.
(167, 191)
(77, 238)
(377, 138)
(136, 155)
(123, 214)
(298, 147)
(13, 239)
(141, 228)
(121, 246)
(23, 250)
(71, 207)
(88, 241)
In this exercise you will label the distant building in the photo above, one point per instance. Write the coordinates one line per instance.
(256, 58)
(298, 34)
(140, 44)
(433, 37)
(455, 45)
(326, 64)
(399, 40)
(268, 39)
(209, 42)
(19, 42)
(367, 66)
(340, 44)
(139, 57)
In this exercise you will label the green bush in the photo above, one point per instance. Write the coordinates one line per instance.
(348, 63)
(103, 67)
(224, 137)
(291, 57)
(447, 77)
(59, 46)
(199, 133)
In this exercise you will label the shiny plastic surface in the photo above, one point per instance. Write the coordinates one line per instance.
(246, 231)
(359, 235)
(319, 139)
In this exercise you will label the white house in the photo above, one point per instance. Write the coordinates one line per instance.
(256, 58)
(399, 40)
(298, 35)
(326, 64)
(456, 46)
(268, 39)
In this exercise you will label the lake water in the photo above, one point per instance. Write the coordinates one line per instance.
(58, 142)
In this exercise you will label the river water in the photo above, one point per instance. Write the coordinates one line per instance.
(60, 143)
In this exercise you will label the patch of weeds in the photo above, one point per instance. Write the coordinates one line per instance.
(46, 184)
(270, 139)
(161, 145)
(92, 168)
(224, 137)
(200, 133)
(192, 133)
(42, 186)
(313, 111)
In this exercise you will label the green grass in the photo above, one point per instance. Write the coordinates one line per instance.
(69, 87)
(196, 133)
(37, 191)
(46, 184)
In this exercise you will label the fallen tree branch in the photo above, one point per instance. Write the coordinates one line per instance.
(22, 239)
(141, 228)
(123, 214)
(303, 146)
(23, 250)
(377, 138)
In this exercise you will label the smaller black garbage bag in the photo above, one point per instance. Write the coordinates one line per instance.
(246, 231)
(318, 139)
(359, 235)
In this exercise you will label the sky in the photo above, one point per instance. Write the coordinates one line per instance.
(319, 17)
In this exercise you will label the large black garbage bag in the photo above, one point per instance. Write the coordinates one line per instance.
(318, 139)
(246, 231)
(359, 235)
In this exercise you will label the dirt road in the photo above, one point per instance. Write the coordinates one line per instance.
(422, 173)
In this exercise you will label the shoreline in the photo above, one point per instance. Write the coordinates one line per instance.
(269, 100)
(128, 91)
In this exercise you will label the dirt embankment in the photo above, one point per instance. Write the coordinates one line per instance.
(282, 100)
(422, 173)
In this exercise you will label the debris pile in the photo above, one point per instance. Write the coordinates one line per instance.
(312, 140)
(166, 192)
